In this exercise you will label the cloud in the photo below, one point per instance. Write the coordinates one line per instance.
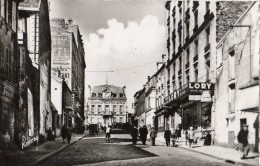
(120, 46)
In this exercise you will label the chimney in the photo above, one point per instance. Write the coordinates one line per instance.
(163, 55)
(148, 78)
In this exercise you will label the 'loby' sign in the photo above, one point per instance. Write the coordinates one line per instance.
(200, 86)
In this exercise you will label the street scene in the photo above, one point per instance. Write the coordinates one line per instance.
(129, 82)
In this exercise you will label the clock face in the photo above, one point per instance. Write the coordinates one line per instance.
(106, 95)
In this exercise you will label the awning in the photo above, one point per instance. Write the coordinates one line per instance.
(253, 110)
(69, 108)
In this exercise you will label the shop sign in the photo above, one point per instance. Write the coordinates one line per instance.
(200, 86)
(206, 97)
(194, 97)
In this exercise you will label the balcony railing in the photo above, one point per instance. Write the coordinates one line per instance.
(173, 78)
(168, 82)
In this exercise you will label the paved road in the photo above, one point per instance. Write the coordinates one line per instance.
(95, 151)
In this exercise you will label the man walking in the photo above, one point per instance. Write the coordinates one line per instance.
(64, 133)
(143, 134)
(69, 133)
(134, 134)
(191, 137)
(108, 132)
(153, 135)
(243, 142)
(167, 136)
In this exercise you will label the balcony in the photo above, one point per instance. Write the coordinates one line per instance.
(207, 48)
(168, 82)
(173, 11)
(180, 26)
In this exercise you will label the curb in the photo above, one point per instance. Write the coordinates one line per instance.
(216, 157)
(55, 152)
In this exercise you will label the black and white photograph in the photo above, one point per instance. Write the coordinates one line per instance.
(129, 82)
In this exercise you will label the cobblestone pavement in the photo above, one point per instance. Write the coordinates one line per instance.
(95, 151)
(27, 157)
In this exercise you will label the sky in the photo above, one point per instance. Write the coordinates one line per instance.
(125, 37)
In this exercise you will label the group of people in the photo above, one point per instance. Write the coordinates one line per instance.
(142, 133)
(66, 132)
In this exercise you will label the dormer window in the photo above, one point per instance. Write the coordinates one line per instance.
(99, 94)
(93, 95)
(121, 95)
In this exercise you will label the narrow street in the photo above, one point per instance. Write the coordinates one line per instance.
(120, 151)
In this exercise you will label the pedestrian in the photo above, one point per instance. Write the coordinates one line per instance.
(143, 134)
(153, 135)
(134, 134)
(69, 133)
(243, 142)
(191, 137)
(64, 133)
(108, 133)
(167, 136)
(207, 139)
(49, 135)
(186, 136)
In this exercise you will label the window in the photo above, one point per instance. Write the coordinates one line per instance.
(107, 109)
(207, 35)
(99, 94)
(196, 75)
(180, 63)
(9, 14)
(93, 109)
(196, 47)
(207, 6)
(99, 109)
(187, 28)
(121, 95)
(121, 120)
(187, 56)
(114, 108)
(121, 109)
(196, 18)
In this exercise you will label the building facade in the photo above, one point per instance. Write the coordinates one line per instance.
(34, 20)
(150, 95)
(69, 60)
(107, 105)
(140, 108)
(237, 88)
(9, 93)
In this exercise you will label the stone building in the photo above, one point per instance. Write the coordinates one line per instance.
(150, 95)
(61, 103)
(140, 108)
(34, 24)
(107, 105)
(190, 68)
(237, 86)
(9, 94)
(69, 59)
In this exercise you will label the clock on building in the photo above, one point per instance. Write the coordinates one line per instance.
(106, 94)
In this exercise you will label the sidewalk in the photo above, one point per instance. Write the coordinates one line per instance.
(227, 154)
(35, 154)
